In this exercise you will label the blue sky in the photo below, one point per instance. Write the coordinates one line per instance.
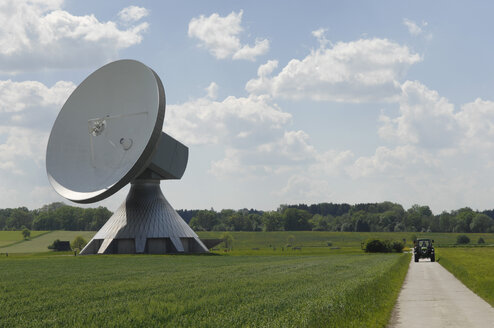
(279, 101)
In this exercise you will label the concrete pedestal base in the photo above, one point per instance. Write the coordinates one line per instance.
(145, 223)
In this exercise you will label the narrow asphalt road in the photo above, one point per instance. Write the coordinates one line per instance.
(433, 297)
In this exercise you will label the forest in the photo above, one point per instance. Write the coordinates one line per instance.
(384, 216)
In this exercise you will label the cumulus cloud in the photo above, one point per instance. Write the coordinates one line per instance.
(391, 162)
(263, 81)
(332, 163)
(253, 131)
(430, 121)
(220, 36)
(432, 152)
(439, 154)
(250, 53)
(293, 146)
(39, 35)
(27, 111)
(31, 104)
(427, 134)
(426, 119)
(315, 181)
(22, 144)
(133, 13)
(235, 120)
(410, 174)
(477, 122)
(303, 189)
(365, 70)
(291, 149)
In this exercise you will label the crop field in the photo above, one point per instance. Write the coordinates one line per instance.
(40, 242)
(473, 266)
(326, 281)
(46, 290)
(11, 237)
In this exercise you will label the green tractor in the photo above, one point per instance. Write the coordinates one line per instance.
(423, 249)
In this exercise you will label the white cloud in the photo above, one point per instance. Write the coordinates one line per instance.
(133, 13)
(415, 29)
(391, 162)
(220, 35)
(410, 174)
(31, 103)
(23, 144)
(268, 68)
(293, 146)
(320, 35)
(365, 70)
(303, 189)
(332, 163)
(38, 34)
(252, 130)
(427, 134)
(433, 153)
(426, 119)
(250, 53)
(477, 122)
(233, 120)
(316, 180)
(442, 156)
(263, 81)
(212, 90)
(284, 150)
(284, 153)
(430, 121)
(27, 111)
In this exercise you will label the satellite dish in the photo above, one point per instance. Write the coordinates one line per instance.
(108, 134)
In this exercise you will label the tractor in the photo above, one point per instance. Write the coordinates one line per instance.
(423, 249)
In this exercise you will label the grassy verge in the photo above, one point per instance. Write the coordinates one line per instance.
(341, 290)
(473, 266)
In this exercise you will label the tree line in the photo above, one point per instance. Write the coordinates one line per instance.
(54, 216)
(384, 216)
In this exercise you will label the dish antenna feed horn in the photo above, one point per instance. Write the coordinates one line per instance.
(108, 134)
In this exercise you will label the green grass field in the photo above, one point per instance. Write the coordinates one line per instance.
(249, 240)
(261, 283)
(41, 243)
(10, 237)
(247, 243)
(473, 266)
(46, 290)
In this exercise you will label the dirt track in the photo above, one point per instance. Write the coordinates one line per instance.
(433, 297)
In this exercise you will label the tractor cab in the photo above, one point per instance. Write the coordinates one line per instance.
(423, 248)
